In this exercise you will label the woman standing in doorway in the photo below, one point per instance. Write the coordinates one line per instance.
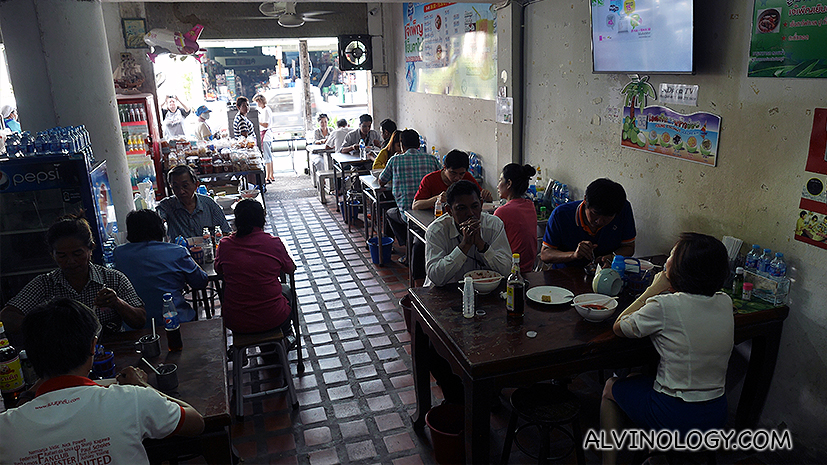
(264, 117)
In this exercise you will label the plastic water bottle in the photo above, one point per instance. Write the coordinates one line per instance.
(751, 262)
(109, 253)
(362, 149)
(564, 194)
(172, 325)
(468, 298)
(764, 263)
(778, 267)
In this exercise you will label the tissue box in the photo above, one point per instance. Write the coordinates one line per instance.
(773, 290)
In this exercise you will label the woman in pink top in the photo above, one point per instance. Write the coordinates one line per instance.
(251, 261)
(518, 213)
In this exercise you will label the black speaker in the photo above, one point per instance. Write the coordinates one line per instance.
(355, 52)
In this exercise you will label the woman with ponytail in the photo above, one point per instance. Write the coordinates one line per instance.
(518, 214)
(251, 261)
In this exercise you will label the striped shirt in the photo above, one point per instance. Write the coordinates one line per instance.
(242, 123)
(406, 171)
(53, 284)
(180, 222)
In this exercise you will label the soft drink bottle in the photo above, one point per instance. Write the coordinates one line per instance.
(171, 325)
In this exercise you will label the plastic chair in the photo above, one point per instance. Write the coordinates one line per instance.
(548, 407)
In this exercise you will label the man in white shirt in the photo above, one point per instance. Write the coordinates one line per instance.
(465, 239)
(337, 137)
(362, 133)
(72, 419)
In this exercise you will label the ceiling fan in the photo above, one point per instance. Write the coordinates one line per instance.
(285, 13)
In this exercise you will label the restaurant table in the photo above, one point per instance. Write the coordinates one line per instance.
(490, 353)
(322, 149)
(202, 383)
(341, 163)
(378, 196)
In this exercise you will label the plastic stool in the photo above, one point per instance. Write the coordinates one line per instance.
(549, 407)
(241, 342)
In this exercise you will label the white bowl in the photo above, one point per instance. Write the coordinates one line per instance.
(376, 173)
(485, 281)
(595, 314)
(249, 193)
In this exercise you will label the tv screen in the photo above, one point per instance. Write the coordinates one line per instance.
(642, 36)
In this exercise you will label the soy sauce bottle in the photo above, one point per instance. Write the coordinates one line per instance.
(515, 302)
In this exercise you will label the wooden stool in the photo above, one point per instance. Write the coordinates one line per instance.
(241, 342)
(549, 407)
(321, 176)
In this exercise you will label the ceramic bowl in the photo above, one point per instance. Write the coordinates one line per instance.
(485, 281)
(595, 312)
(249, 193)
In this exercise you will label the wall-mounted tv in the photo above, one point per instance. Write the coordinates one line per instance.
(642, 36)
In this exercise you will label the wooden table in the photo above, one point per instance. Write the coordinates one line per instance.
(202, 383)
(373, 192)
(341, 163)
(489, 353)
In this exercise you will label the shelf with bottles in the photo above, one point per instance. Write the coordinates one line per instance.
(131, 114)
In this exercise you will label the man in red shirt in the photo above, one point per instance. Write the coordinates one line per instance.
(433, 186)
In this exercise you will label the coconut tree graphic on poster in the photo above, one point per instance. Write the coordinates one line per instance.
(636, 92)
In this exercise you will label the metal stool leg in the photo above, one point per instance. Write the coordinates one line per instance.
(509, 437)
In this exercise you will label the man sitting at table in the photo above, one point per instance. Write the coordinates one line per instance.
(363, 133)
(591, 230)
(337, 138)
(433, 186)
(465, 239)
(406, 170)
(156, 267)
(73, 419)
(188, 213)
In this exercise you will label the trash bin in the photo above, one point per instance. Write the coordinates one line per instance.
(387, 246)
(446, 423)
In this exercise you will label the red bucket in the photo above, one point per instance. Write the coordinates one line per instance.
(446, 423)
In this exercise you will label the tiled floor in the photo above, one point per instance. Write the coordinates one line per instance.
(356, 395)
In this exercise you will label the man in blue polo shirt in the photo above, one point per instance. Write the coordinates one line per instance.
(591, 230)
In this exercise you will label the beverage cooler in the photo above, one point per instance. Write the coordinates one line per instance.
(142, 140)
(34, 192)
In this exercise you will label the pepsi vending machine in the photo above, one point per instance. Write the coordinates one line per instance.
(34, 192)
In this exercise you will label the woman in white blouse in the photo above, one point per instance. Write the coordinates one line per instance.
(691, 326)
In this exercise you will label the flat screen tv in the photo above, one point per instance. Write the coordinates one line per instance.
(642, 36)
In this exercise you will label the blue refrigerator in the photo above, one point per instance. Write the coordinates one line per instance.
(34, 192)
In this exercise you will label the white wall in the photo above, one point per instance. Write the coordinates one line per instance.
(752, 194)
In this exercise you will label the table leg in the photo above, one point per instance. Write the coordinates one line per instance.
(336, 169)
(478, 396)
(409, 253)
(377, 217)
(218, 447)
(421, 372)
(760, 368)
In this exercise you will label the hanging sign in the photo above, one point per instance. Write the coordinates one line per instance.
(788, 38)
(680, 94)
(811, 224)
(451, 49)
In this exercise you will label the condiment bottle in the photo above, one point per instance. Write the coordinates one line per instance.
(738, 283)
(747, 294)
(12, 383)
(468, 298)
(172, 325)
(438, 208)
(515, 291)
(208, 248)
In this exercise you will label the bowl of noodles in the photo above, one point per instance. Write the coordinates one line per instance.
(768, 21)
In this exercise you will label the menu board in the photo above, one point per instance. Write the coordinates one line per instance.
(451, 49)
(660, 130)
(788, 39)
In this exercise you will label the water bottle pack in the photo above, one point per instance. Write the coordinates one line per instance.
(55, 141)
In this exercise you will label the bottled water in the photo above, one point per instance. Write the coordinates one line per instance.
(468, 297)
(362, 149)
(109, 253)
(564, 194)
(778, 267)
(751, 262)
(764, 263)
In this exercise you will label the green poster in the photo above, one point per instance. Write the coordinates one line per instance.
(788, 39)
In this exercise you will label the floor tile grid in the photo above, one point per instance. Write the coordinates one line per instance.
(351, 409)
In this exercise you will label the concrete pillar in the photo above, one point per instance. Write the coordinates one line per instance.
(60, 70)
(509, 53)
(304, 68)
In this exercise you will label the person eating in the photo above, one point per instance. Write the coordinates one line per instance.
(392, 148)
(186, 212)
(337, 138)
(433, 186)
(71, 412)
(690, 323)
(156, 267)
(466, 239)
(387, 127)
(252, 261)
(590, 230)
(518, 214)
(363, 133)
(107, 291)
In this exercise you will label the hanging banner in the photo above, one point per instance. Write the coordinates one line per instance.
(811, 224)
(660, 130)
(788, 39)
(451, 49)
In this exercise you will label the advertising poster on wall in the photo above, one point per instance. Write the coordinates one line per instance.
(811, 223)
(660, 130)
(788, 38)
(451, 49)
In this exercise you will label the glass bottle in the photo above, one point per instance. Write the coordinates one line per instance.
(515, 302)
(207, 245)
(12, 383)
(468, 297)
(172, 325)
